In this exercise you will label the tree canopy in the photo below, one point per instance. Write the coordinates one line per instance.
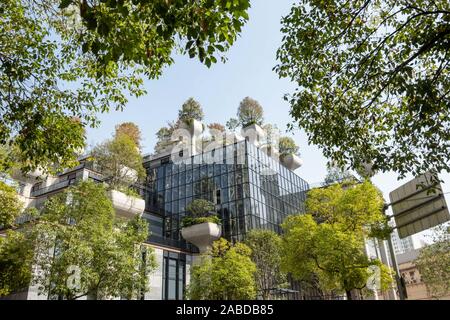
(132, 130)
(65, 61)
(11, 206)
(328, 241)
(95, 253)
(250, 112)
(287, 146)
(227, 275)
(120, 161)
(190, 110)
(433, 263)
(373, 80)
(266, 254)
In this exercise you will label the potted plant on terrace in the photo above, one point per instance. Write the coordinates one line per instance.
(202, 226)
(289, 155)
(250, 116)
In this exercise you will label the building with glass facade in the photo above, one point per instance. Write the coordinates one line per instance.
(249, 188)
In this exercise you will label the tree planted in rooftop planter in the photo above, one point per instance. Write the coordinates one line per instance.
(190, 110)
(250, 112)
(289, 155)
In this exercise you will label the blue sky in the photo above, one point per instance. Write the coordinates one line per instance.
(248, 72)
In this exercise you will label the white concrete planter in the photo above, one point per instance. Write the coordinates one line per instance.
(254, 134)
(195, 128)
(30, 177)
(271, 151)
(291, 161)
(202, 235)
(233, 137)
(126, 206)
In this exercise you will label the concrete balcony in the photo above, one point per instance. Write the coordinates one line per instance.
(126, 206)
(202, 235)
(291, 161)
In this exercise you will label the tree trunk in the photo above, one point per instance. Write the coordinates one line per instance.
(349, 294)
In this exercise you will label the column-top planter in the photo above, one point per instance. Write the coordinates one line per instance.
(202, 235)
(126, 206)
(291, 161)
(254, 134)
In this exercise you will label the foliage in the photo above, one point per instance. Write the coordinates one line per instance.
(80, 228)
(266, 254)
(200, 211)
(190, 110)
(250, 112)
(216, 126)
(227, 275)
(232, 124)
(11, 206)
(433, 263)
(120, 161)
(336, 174)
(200, 208)
(64, 61)
(373, 80)
(16, 256)
(329, 240)
(132, 130)
(332, 253)
(354, 208)
(190, 221)
(287, 146)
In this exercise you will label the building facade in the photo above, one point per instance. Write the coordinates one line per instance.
(249, 186)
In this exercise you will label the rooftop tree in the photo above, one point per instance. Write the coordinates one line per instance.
(190, 110)
(65, 58)
(372, 81)
(287, 146)
(120, 161)
(132, 130)
(250, 112)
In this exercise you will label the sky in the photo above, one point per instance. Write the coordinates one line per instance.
(247, 72)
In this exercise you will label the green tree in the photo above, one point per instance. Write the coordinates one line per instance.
(190, 110)
(373, 80)
(16, 257)
(232, 124)
(200, 211)
(250, 112)
(287, 146)
(132, 130)
(328, 240)
(266, 254)
(61, 59)
(433, 263)
(87, 240)
(336, 256)
(11, 206)
(227, 275)
(120, 161)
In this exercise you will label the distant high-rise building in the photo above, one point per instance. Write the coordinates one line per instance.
(401, 245)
